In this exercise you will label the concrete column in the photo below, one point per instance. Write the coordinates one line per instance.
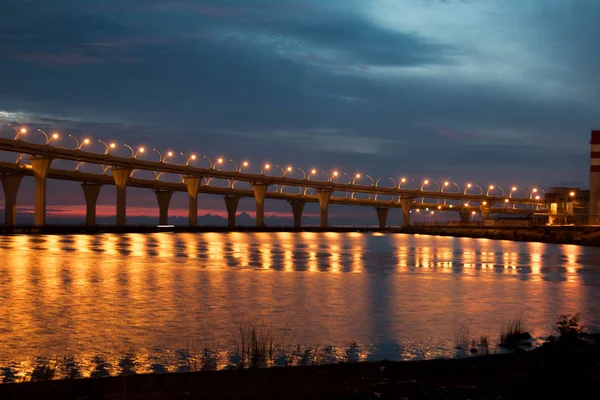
(163, 197)
(297, 210)
(231, 203)
(465, 217)
(324, 196)
(260, 189)
(10, 185)
(40, 165)
(406, 203)
(90, 192)
(485, 211)
(382, 214)
(121, 176)
(193, 183)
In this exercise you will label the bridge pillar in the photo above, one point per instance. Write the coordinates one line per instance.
(324, 196)
(260, 189)
(382, 214)
(406, 204)
(163, 197)
(121, 176)
(193, 183)
(10, 185)
(297, 210)
(90, 192)
(40, 166)
(231, 203)
(465, 216)
(485, 211)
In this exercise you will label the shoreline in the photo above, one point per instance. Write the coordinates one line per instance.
(569, 368)
(584, 236)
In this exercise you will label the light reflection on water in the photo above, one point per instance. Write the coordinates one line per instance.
(111, 302)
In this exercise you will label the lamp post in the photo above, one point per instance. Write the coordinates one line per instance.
(312, 172)
(19, 131)
(49, 138)
(333, 176)
(188, 159)
(284, 170)
(492, 187)
(107, 146)
(303, 172)
(80, 144)
(265, 167)
(470, 185)
(162, 158)
(134, 153)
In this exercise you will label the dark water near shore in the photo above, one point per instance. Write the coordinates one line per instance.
(135, 301)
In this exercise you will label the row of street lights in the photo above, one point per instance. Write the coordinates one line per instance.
(266, 167)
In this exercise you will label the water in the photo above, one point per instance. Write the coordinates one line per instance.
(106, 304)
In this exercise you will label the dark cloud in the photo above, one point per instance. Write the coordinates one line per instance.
(302, 83)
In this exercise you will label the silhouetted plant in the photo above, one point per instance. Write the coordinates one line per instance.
(257, 345)
(513, 334)
(484, 346)
(44, 371)
(568, 327)
(461, 337)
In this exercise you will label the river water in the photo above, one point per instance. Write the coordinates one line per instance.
(144, 302)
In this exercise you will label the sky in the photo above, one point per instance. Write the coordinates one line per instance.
(500, 92)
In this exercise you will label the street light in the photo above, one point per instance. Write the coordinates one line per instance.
(134, 153)
(161, 157)
(303, 172)
(49, 138)
(284, 170)
(188, 160)
(108, 146)
(402, 180)
(80, 144)
(266, 167)
(572, 194)
(19, 131)
(470, 185)
(333, 175)
(312, 172)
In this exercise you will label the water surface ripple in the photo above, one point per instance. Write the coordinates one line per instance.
(102, 301)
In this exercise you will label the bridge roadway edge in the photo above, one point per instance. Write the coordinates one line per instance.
(585, 236)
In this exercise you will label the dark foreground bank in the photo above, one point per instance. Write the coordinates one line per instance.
(556, 370)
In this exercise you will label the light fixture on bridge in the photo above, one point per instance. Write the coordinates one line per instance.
(439, 207)
(484, 203)
(134, 153)
(265, 167)
(514, 189)
(473, 212)
(219, 160)
(537, 197)
(506, 200)
(572, 194)
(446, 183)
(245, 163)
(450, 206)
(18, 131)
(107, 146)
(49, 138)
(426, 182)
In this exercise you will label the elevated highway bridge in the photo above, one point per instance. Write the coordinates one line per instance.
(119, 171)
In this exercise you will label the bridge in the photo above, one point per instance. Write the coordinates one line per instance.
(119, 171)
